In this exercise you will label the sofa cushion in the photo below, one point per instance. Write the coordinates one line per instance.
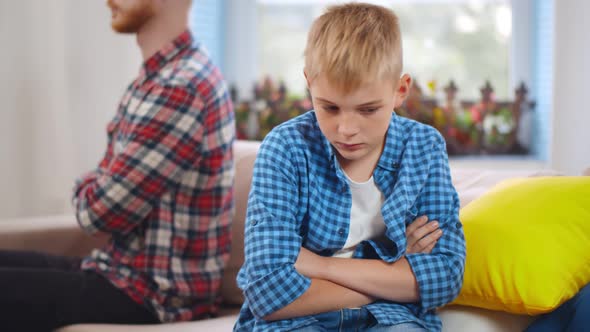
(462, 318)
(32, 234)
(472, 183)
(222, 324)
(244, 156)
(528, 244)
(454, 318)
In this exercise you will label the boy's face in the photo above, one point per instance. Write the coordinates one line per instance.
(356, 123)
(128, 16)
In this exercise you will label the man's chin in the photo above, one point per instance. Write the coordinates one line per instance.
(122, 28)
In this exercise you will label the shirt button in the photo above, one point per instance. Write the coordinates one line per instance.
(176, 302)
(395, 165)
(458, 225)
(341, 231)
(254, 222)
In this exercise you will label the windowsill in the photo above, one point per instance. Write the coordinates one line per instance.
(499, 162)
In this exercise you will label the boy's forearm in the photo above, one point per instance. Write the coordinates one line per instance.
(322, 296)
(388, 281)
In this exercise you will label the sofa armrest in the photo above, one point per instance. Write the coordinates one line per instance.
(58, 235)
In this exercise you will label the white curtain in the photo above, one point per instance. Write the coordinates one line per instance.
(62, 73)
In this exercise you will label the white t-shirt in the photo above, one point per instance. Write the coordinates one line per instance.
(366, 220)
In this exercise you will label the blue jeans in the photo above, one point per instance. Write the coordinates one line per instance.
(353, 320)
(572, 316)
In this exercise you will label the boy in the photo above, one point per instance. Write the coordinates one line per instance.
(162, 194)
(334, 189)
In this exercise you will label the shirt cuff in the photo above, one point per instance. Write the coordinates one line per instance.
(275, 291)
(434, 283)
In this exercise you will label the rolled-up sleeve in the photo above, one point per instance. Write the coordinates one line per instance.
(272, 232)
(163, 143)
(440, 273)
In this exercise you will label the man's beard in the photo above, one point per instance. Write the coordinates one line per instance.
(130, 19)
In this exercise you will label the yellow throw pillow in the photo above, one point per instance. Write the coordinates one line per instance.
(528, 244)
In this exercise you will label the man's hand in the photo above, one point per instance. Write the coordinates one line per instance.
(422, 235)
(309, 264)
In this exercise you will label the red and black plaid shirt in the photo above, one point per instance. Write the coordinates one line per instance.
(163, 190)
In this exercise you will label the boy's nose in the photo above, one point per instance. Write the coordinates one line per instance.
(347, 125)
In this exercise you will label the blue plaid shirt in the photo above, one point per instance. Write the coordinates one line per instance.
(300, 197)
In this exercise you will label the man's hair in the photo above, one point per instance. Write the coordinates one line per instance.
(354, 43)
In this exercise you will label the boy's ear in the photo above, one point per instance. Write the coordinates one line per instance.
(306, 78)
(403, 90)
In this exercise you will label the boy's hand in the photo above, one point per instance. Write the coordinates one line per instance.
(309, 264)
(422, 235)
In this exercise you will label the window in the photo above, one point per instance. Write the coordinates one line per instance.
(470, 41)
(206, 23)
(467, 41)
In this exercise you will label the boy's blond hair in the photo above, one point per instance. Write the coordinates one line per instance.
(354, 43)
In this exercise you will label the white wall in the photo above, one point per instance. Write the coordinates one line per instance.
(570, 151)
(62, 73)
(11, 123)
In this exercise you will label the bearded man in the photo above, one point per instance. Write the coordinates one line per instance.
(162, 194)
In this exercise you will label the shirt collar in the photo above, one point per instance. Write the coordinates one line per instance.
(159, 59)
(391, 155)
(394, 143)
(328, 147)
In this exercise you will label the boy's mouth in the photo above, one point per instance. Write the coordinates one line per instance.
(349, 147)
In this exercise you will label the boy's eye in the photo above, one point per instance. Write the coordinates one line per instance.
(369, 110)
(331, 108)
